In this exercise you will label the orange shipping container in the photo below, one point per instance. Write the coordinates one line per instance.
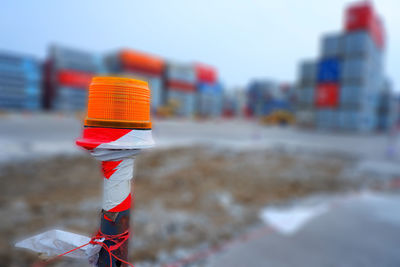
(141, 62)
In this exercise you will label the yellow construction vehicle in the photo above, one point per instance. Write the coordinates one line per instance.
(278, 117)
(170, 109)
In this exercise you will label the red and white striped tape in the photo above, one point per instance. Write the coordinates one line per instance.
(117, 184)
(113, 138)
(116, 149)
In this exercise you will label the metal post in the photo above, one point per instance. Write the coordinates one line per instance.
(109, 227)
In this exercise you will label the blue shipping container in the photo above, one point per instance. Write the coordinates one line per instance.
(358, 120)
(209, 99)
(329, 70)
(70, 99)
(327, 119)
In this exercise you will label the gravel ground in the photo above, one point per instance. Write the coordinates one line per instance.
(185, 198)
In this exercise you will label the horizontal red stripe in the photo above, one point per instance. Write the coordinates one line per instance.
(142, 69)
(179, 85)
(75, 79)
(95, 136)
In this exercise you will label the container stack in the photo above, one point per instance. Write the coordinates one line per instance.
(260, 92)
(362, 78)
(180, 84)
(20, 82)
(209, 92)
(388, 106)
(289, 93)
(327, 92)
(305, 113)
(341, 90)
(240, 95)
(265, 97)
(67, 75)
(140, 66)
(230, 104)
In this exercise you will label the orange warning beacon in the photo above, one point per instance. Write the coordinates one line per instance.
(118, 115)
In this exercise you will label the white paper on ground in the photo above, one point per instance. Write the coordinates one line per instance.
(288, 221)
(56, 242)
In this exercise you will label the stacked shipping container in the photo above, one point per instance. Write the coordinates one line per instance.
(341, 90)
(68, 73)
(387, 108)
(180, 86)
(258, 93)
(20, 82)
(231, 103)
(140, 66)
(234, 102)
(265, 97)
(209, 92)
(305, 114)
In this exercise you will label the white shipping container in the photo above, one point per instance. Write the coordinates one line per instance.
(68, 58)
(156, 88)
(359, 43)
(332, 45)
(361, 70)
(209, 105)
(306, 96)
(357, 120)
(326, 119)
(181, 72)
(308, 72)
(70, 99)
(185, 101)
(305, 117)
(358, 97)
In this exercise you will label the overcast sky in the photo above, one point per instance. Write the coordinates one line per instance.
(243, 39)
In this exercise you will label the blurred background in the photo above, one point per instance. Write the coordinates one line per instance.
(276, 126)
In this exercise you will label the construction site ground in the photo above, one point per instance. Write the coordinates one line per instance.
(203, 186)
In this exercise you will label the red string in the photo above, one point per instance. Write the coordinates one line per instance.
(118, 240)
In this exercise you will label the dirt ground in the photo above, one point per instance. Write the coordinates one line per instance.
(185, 198)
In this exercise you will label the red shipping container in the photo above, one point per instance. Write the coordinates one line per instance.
(75, 79)
(181, 86)
(359, 16)
(381, 36)
(377, 32)
(327, 95)
(205, 73)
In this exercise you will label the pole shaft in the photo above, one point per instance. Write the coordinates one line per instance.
(108, 227)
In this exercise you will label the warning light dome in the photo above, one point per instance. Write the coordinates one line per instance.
(118, 103)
